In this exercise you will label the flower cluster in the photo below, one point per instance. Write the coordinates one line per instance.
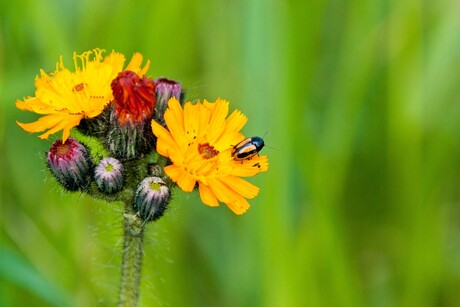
(135, 139)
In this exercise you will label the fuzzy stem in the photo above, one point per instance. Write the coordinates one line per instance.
(131, 262)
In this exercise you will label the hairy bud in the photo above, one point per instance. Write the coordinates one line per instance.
(70, 164)
(152, 197)
(109, 175)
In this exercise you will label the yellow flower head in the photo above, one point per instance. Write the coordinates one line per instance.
(199, 143)
(66, 97)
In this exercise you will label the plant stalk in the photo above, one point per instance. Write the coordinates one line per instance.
(131, 261)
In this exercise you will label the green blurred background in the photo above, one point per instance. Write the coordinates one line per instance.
(360, 206)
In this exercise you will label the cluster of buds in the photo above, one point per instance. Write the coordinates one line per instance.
(114, 155)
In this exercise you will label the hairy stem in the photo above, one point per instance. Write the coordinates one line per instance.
(131, 262)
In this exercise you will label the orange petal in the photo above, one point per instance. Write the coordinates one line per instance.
(35, 105)
(135, 64)
(241, 186)
(225, 194)
(246, 168)
(166, 145)
(204, 116)
(207, 196)
(174, 118)
(235, 121)
(183, 179)
(43, 123)
(191, 122)
(231, 135)
(65, 124)
(116, 61)
(239, 207)
(217, 121)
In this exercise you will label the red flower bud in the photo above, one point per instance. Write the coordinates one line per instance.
(70, 164)
(132, 110)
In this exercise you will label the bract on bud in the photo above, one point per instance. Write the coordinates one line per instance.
(151, 200)
(164, 90)
(96, 126)
(108, 175)
(70, 164)
(131, 112)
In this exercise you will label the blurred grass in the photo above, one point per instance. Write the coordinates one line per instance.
(359, 207)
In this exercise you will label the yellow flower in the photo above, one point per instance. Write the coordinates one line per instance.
(199, 143)
(66, 97)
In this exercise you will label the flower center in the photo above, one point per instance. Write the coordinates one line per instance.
(63, 149)
(155, 186)
(79, 87)
(207, 151)
(109, 168)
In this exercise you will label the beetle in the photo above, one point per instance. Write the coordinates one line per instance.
(247, 148)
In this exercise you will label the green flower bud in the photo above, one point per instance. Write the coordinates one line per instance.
(151, 200)
(109, 175)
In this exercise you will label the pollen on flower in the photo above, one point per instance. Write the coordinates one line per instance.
(79, 87)
(155, 186)
(207, 151)
(62, 149)
(210, 162)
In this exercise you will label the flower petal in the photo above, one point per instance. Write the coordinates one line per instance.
(230, 134)
(204, 115)
(165, 140)
(248, 167)
(65, 124)
(225, 194)
(135, 64)
(207, 196)
(239, 206)
(241, 186)
(183, 179)
(34, 105)
(217, 121)
(191, 122)
(53, 122)
(174, 118)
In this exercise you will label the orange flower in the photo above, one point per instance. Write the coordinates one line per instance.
(199, 143)
(66, 97)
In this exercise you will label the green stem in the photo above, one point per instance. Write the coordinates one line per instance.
(131, 262)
